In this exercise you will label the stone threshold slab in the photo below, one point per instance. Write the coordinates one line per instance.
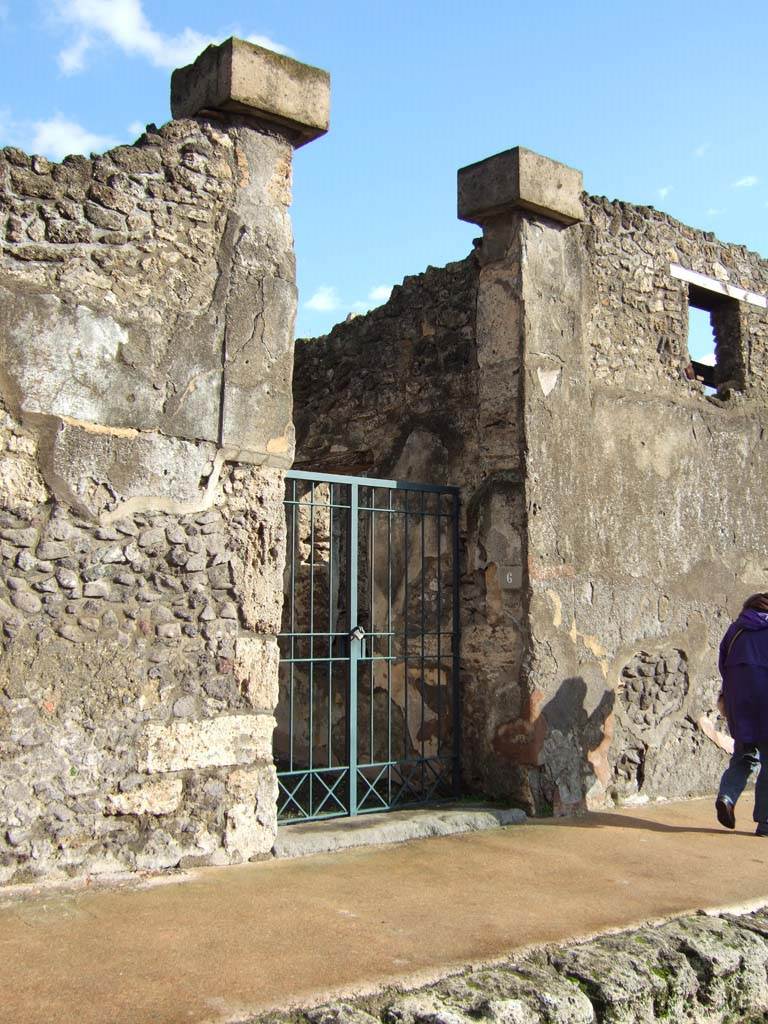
(334, 834)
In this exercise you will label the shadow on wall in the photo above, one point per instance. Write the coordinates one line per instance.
(574, 750)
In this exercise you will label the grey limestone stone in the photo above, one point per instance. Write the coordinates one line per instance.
(237, 76)
(519, 179)
(698, 969)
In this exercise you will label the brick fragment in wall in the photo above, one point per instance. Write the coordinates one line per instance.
(226, 740)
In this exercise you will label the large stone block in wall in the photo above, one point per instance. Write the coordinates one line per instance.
(256, 670)
(114, 473)
(252, 819)
(227, 740)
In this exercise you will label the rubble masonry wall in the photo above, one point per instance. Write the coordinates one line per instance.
(147, 301)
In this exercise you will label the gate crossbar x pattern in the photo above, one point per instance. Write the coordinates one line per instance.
(368, 711)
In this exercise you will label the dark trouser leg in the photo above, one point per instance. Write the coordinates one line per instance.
(744, 760)
(761, 788)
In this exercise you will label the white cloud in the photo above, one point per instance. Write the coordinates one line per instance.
(136, 128)
(124, 23)
(746, 182)
(714, 210)
(268, 44)
(380, 293)
(324, 300)
(664, 191)
(708, 359)
(72, 59)
(58, 137)
(702, 149)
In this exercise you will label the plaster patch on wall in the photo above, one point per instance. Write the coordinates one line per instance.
(592, 644)
(61, 358)
(707, 724)
(547, 379)
(99, 428)
(557, 608)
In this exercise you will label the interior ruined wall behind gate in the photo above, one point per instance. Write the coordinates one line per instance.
(647, 503)
(146, 313)
(413, 391)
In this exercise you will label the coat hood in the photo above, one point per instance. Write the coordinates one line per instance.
(752, 619)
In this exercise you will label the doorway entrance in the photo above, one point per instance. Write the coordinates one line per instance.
(368, 709)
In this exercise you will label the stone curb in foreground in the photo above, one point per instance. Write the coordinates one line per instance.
(697, 969)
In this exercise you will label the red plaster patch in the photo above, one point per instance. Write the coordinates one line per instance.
(598, 758)
(521, 741)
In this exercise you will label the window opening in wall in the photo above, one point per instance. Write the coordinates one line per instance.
(714, 339)
(701, 347)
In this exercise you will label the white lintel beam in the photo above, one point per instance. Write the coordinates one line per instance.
(711, 284)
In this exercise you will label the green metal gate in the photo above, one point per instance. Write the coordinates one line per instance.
(368, 710)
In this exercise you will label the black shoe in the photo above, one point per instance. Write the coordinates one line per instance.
(725, 812)
(762, 829)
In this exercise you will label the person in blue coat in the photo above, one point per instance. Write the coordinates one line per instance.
(743, 666)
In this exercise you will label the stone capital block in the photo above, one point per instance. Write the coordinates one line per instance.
(519, 179)
(241, 78)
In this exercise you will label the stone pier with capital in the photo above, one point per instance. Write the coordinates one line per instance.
(147, 305)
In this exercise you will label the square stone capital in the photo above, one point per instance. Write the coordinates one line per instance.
(519, 179)
(241, 78)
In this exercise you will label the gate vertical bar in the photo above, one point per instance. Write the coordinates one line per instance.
(456, 653)
(354, 647)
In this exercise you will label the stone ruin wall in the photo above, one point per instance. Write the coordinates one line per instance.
(647, 502)
(611, 510)
(626, 503)
(147, 301)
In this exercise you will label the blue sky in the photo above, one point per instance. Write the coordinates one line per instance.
(660, 103)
